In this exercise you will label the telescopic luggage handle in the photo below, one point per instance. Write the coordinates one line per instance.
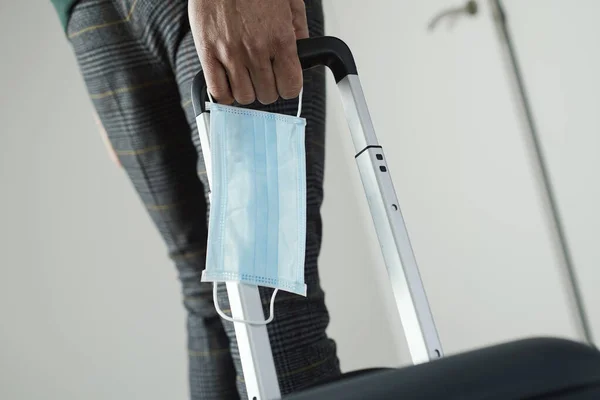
(411, 300)
(326, 50)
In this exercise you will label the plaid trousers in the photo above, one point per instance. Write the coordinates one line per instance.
(138, 59)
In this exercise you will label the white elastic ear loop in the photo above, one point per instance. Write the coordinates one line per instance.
(300, 102)
(228, 318)
(209, 96)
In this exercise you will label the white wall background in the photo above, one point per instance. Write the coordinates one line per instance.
(444, 112)
(90, 305)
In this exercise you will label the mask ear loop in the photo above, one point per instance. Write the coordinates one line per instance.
(300, 102)
(228, 318)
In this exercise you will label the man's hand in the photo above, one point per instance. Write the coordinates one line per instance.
(248, 47)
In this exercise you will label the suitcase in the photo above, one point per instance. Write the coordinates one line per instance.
(532, 369)
(519, 370)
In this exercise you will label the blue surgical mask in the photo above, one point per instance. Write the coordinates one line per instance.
(257, 222)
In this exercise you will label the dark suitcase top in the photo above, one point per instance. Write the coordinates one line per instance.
(534, 369)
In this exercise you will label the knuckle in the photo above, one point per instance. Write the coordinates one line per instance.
(291, 84)
(203, 46)
(268, 98)
(284, 41)
(261, 65)
(228, 51)
(209, 63)
(219, 91)
(256, 46)
(245, 100)
(290, 90)
(245, 97)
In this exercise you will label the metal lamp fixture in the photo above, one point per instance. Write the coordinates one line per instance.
(545, 183)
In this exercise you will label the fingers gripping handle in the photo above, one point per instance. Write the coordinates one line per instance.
(326, 50)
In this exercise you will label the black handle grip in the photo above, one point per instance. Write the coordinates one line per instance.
(326, 50)
(329, 51)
